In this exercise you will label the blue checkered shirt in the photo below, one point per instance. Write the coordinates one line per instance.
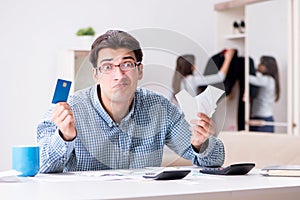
(137, 142)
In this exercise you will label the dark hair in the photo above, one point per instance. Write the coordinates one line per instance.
(184, 67)
(272, 70)
(115, 39)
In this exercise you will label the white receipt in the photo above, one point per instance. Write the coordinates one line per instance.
(9, 173)
(206, 102)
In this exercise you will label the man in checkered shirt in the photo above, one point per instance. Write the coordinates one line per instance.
(116, 125)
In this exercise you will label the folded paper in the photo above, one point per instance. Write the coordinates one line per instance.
(206, 102)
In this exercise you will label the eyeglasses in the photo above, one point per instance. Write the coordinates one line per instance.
(108, 68)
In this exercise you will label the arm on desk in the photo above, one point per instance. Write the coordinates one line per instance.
(178, 139)
(55, 152)
(213, 155)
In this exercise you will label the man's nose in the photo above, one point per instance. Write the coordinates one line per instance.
(118, 72)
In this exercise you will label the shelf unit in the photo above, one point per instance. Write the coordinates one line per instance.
(227, 13)
(232, 11)
(74, 66)
(227, 37)
(226, 5)
(235, 36)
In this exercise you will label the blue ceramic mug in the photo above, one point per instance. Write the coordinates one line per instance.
(26, 160)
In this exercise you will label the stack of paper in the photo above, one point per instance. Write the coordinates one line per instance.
(281, 170)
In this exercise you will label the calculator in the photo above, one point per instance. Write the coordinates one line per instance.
(168, 175)
(234, 169)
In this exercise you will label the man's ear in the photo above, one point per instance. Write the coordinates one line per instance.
(140, 68)
(96, 75)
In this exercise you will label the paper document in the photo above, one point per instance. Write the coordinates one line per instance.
(206, 102)
(9, 173)
(281, 170)
(9, 176)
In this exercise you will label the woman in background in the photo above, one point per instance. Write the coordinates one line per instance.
(185, 78)
(267, 79)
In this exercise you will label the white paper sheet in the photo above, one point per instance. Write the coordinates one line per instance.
(9, 176)
(206, 102)
(9, 173)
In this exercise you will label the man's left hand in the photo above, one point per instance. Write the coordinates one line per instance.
(202, 128)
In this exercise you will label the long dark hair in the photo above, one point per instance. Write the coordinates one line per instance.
(272, 70)
(184, 67)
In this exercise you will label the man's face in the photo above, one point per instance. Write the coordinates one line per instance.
(117, 86)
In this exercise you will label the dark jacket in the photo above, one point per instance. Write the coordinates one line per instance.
(236, 72)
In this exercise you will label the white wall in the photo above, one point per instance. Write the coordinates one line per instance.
(33, 32)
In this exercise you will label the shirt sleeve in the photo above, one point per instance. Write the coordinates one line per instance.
(55, 152)
(202, 80)
(213, 155)
(260, 80)
(178, 139)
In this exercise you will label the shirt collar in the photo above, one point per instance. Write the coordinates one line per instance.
(102, 112)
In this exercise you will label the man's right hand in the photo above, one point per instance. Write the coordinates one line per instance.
(62, 116)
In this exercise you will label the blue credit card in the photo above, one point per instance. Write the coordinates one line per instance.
(62, 90)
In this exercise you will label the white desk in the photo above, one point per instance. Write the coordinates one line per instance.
(194, 186)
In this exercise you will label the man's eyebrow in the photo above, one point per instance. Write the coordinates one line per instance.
(110, 59)
(106, 59)
(128, 57)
